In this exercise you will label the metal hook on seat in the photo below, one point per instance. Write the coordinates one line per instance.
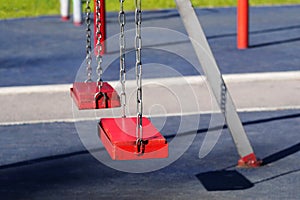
(98, 96)
(140, 146)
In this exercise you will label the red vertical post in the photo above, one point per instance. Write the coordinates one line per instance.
(103, 24)
(242, 24)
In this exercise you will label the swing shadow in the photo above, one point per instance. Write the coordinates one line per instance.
(47, 175)
(267, 160)
(48, 158)
(226, 180)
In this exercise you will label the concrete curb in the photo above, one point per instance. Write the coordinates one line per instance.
(228, 78)
(162, 97)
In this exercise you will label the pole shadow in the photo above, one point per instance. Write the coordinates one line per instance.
(275, 43)
(281, 154)
(224, 180)
(229, 180)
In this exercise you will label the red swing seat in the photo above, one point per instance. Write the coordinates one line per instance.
(118, 135)
(88, 96)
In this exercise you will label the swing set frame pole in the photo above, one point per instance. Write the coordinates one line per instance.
(242, 24)
(103, 24)
(217, 84)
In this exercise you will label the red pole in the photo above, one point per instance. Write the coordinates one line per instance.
(242, 24)
(103, 24)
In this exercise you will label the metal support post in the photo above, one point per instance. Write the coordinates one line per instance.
(242, 24)
(102, 24)
(216, 82)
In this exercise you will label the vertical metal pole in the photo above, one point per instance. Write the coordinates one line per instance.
(216, 82)
(77, 12)
(64, 10)
(103, 24)
(242, 24)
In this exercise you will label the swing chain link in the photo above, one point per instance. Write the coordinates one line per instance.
(122, 22)
(138, 67)
(223, 97)
(99, 45)
(88, 42)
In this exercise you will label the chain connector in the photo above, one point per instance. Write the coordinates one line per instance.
(140, 146)
(98, 96)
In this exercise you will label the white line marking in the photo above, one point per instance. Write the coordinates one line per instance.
(249, 77)
(73, 120)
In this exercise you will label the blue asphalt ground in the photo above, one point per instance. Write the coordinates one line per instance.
(47, 51)
(49, 161)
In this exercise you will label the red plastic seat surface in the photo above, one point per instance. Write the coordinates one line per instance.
(83, 93)
(118, 135)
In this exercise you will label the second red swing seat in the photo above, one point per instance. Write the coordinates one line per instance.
(86, 95)
(118, 135)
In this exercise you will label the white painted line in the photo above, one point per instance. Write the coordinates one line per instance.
(74, 120)
(267, 76)
(35, 89)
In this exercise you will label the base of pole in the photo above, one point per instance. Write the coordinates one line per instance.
(77, 23)
(65, 18)
(249, 161)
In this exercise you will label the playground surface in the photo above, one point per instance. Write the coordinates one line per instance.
(39, 51)
(43, 156)
(50, 162)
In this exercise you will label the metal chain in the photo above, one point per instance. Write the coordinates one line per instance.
(88, 57)
(99, 45)
(223, 97)
(138, 67)
(122, 22)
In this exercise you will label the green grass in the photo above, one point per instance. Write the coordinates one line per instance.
(30, 8)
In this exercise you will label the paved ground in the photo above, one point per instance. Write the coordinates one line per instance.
(46, 51)
(50, 161)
